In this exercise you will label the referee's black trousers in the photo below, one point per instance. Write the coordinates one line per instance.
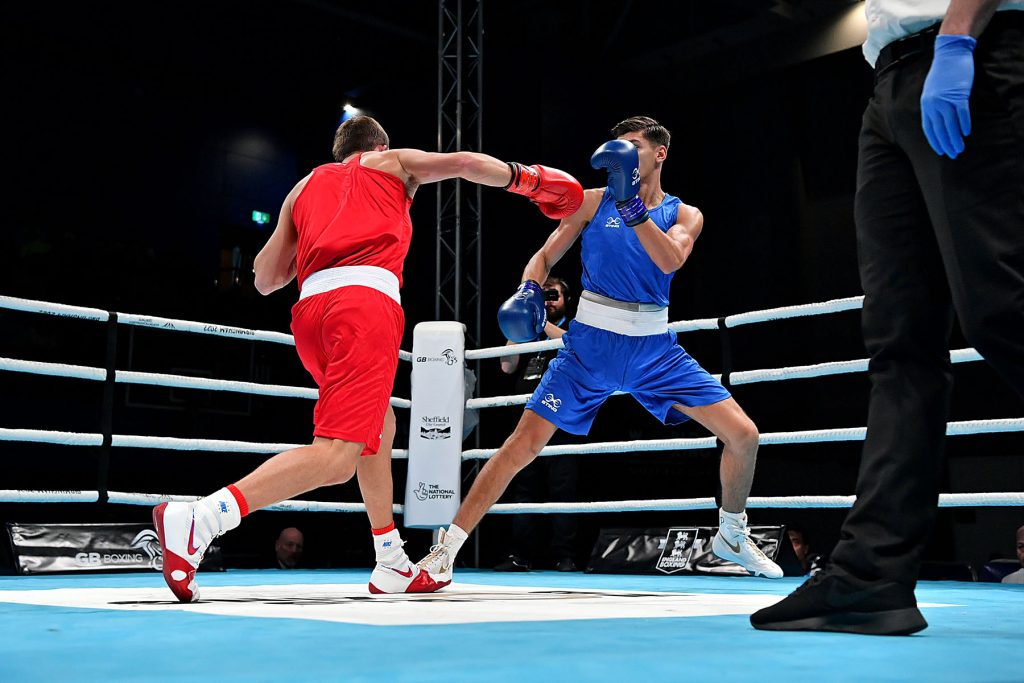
(934, 236)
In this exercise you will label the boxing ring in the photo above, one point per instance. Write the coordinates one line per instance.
(323, 625)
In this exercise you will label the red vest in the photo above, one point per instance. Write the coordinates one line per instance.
(350, 215)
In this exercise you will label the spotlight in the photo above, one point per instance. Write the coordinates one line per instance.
(348, 111)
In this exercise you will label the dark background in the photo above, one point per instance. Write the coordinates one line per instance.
(140, 138)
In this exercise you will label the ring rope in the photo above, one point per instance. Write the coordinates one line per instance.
(13, 496)
(946, 500)
(850, 303)
(166, 380)
(965, 428)
(156, 442)
(832, 368)
(154, 322)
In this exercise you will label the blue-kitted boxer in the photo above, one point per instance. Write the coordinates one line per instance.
(635, 237)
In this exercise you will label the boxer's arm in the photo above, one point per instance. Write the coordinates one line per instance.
(415, 167)
(558, 242)
(509, 363)
(553, 331)
(275, 264)
(669, 250)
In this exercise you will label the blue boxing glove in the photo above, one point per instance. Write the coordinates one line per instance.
(945, 114)
(522, 317)
(622, 162)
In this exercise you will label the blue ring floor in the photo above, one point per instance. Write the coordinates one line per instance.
(542, 626)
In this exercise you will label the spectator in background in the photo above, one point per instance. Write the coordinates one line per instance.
(557, 475)
(289, 548)
(810, 561)
(1018, 576)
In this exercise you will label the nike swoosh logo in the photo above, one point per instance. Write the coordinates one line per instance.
(734, 548)
(192, 550)
(407, 573)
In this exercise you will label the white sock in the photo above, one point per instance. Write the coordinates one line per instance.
(221, 510)
(388, 548)
(733, 519)
(454, 537)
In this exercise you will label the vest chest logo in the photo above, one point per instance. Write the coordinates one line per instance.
(613, 222)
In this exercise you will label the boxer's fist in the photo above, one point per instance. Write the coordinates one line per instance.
(556, 193)
(522, 317)
(622, 162)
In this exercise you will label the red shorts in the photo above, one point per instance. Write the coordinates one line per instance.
(348, 339)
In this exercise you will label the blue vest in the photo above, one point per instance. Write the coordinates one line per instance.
(615, 263)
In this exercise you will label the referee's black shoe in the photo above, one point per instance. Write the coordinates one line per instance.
(832, 601)
(514, 563)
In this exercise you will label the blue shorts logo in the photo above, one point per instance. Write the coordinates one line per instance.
(552, 403)
(613, 222)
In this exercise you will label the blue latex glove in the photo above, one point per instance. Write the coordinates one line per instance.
(622, 162)
(522, 317)
(945, 114)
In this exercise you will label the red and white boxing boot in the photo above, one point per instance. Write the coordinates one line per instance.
(185, 531)
(394, 572)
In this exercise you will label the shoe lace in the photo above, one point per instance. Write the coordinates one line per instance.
(743, 532)
(435, 559)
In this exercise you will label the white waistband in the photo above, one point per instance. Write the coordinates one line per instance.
(629, 323)
(381, 279)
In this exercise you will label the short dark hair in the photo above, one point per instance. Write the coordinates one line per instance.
(651, 129)
(359, 134)
(561, 284)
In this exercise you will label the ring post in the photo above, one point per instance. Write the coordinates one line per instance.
(433, 485)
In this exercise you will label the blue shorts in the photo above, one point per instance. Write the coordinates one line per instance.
(595, 363)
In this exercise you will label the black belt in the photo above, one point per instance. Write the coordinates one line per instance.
(924, 40)
(898, 50)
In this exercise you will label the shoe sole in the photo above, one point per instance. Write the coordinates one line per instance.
(158, 523)
(895, 622)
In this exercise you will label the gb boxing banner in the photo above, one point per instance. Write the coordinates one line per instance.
(45, 548)
(432, 487)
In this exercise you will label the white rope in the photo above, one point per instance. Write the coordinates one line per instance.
(946, 500)
(62, 310)
(964, 428)
(750, 376)
(165, 380)
(825, 369)
(964, 356)
(694, 325)
(172, 325)
(516, 350)
(833, 306)
(156, 442)
(53, 369)
(123, 498)
(606, 447)
(785, 312)
(497, 401)
(155, 322)
(45, 436)
(211, 445)
(12, 496)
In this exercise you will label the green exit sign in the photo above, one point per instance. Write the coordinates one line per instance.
(260, 217)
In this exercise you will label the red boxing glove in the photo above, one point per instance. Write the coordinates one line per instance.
(556, 193)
